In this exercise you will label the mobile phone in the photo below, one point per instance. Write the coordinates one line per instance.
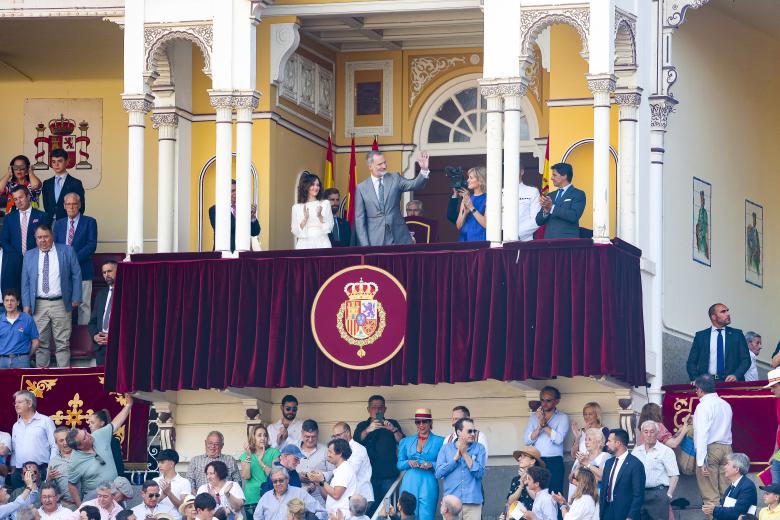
(380, 417)
(387, 505)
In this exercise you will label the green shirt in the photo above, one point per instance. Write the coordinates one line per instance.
(93, 468)
(258, 476)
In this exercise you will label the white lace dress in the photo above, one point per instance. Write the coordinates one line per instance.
(315, 233)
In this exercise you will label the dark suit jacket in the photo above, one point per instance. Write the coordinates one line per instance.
(453, 207)
(84, 241)
(98, 310)
(11, 271)
(254, 227)
(746, 496)
(55, 208)
(564, 221)
(11, 237)
(737, 359)
(342, 230)
(629, 492)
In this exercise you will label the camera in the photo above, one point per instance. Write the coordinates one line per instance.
(455, 175)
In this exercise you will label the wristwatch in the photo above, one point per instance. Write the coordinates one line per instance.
(473, 210)
(322, 483)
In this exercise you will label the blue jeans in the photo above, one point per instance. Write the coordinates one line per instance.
(775, 469)
(17, 361)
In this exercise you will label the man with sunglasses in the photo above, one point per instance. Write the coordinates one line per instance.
(151, 505)
(286, 430)
(461, 464)
(546, 430)
(273, 504)
(92, 461)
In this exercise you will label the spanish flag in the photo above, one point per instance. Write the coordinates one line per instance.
(349, 210)
(375, 144)
(546, 185)
(329, 181)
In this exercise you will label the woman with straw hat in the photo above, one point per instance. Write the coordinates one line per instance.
(526, 457)
(417, 456)
(187, 508)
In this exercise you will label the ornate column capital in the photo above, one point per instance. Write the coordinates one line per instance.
(221, 98)
(601, 82)
(246, 99)
(142, 103)
(165, 119)
(660, 108)
(503, 87)
(629, 97)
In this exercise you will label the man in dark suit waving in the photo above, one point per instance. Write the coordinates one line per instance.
(719, 350)
(622, 488)
(55, 189)
(562, 209)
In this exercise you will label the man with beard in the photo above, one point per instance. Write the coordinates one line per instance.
(622, 490)
(546, 430)
(101, 312)
(461, 464)
(288, 429)
(719, 350)
(341, 234)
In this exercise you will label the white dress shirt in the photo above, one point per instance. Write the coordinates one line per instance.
(660, 464)
(362, 466)
(141, 511)
(375, 180)
(584, 508)
(180, 487)
(562, 197)
(60, 513)
(529, 207)
(33, 441)
(752, 372)
(711, 424)
(614, 473)
(55, 287)
(343, 476)
(294, 434)
(713, 367)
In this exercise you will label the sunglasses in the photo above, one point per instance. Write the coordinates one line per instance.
(279, 481)
(100, 459)
(19, 168)
(153, 495)
(548, 400)
(291, 408)
(421, 421)
(470, 432)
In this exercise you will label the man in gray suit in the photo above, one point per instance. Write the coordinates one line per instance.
(51, 289)
(562, 209)
(378, 219)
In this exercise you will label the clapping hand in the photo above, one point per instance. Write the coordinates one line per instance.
(253, 211)
(558, 498)
(338, 514)
(546, 203)
(305, 212)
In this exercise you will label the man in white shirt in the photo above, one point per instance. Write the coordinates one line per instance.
(753, 340)
(359, 461)
(712, 440)
(32, 437)
(461, 412)
(51, 509)
(151, 505)
(343, 484)
(661, 472)
(544, 508)
(104, 502)
(173, 487)
(286, 430)
(529, 207)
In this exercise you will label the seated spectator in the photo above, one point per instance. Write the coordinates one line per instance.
(451, 507)
(59, 468)
(196, 472)
(771, 501)
(51, 509)
(405, 508)
(273, 504)
(92, 461)
(287, 430)
(591, 418)
(27, 513)
(315, 454)
(18, 333)
(424, 230)
(344, 482)
(461, 464)
(296, 510)
(106, 505)
(583, 502)
(9, 508)
(661, 472)
(126, 514)
(544, 508)
(173, 487)
(122, 491)
(5, 451)
(289, 459)
(187, 508)
(592, 459)
(32, 436)
(254, 226)
(471, 216)
(312, 217)
(79, 232)
(340, 235)
(101, 312)
(30, 468)
(205, 505)
(741, 496)
(526, 457)
(96, 421)
(20, 173)
(256, 463)
(151, 505)
(90, 513)
(358, 505)
(227, 493)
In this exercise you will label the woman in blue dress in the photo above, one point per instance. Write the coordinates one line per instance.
(471, 217)
(417, 456)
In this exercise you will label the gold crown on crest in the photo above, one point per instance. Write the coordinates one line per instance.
(361, 290)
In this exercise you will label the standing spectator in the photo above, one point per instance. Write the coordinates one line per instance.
(96, 421)
(461, 412)
(526, 457)
(359, 460)
(623, 483)
(753, 340)
(340, 235)
(661, 472)
(451, 507)
(51, 288)
(10, 270)
(380, 436)
(528, 208)
(286, 430)
(544, 508)
(472, 222)
(20, 174)
(417, 457)
(18, 235)
(227, 493)
(719, 350)
(151, 505)
(101, 312)
(254, 225)
(256, 463)
(462, 464)
(712, 439)
(289, 459)
(316, 459)
(591, 417)
(312, 218)
(774, 384)
(104, 502)
(59, 468)
(79, 232)
(273, 504)
(91, 513)
(771, 501)
(344, 483)
(92, 461)
(561, 210)
(652, 412)
(740, 496)
(51, 509)
(546, 431)
(18, 333)
(28, 496)
(583, 503)
(593, 458)
(55, 188)
(173, 487)
(215, 441)
(32, 437)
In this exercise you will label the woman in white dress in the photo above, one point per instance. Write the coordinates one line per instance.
(228, 494)
(312, 218)
(584, 504)
(592, 459)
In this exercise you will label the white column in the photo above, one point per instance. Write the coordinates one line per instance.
(493, 93)
(628, 103)
(223, 103)
(166, 124)
(601, 85)
(512, 116)
(245, 103)
(136, 106)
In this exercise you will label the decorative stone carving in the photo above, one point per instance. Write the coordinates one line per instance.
(246, 100)
(324, 102)
(285, 38)
(534, 21)
(675, 10)
(625, 39)
(308, 85)
(221, 100)
(423, 69)
(503, 89)
(165, 119)
(307, 93)
(599, 83)
(628, 98)
(137, 103)
(533, 74)
(157, 37)
(289, 86)
(660, 108)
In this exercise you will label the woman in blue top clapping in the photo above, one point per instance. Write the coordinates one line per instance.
(471, 217)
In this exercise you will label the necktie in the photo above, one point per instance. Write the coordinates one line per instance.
(336, 236)
(558, 197)
(381, 195)
(611, 482)
(25, 215)
(107, 310)
(57, 187)
(721, 356)
(45, 282)
(71, 231)
(729, 490)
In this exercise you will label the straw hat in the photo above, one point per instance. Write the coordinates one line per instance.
(774, 377)
(423, 414)
(531, 452)
(189, 499)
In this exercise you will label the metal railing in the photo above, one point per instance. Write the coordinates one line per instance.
(391, 497)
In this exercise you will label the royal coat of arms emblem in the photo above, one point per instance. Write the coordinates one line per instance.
(61, 136)
(361, 318)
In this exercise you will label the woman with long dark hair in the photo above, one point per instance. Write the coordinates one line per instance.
(312, 218)
(20, 173)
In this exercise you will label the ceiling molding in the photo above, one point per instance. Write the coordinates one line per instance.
(369, 7)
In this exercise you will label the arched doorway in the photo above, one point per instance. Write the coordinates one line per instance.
(451, 128)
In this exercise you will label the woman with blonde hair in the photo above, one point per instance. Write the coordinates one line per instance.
(296, 509)
(471, 218)
(592, 459)
(256, 463)
(584, 503)
(591, 415)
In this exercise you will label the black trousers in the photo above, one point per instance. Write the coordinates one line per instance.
(556, 469)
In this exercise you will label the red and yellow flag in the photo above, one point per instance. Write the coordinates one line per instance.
(375, 144)
(546, 170)
(329, 181)
(349, 210)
